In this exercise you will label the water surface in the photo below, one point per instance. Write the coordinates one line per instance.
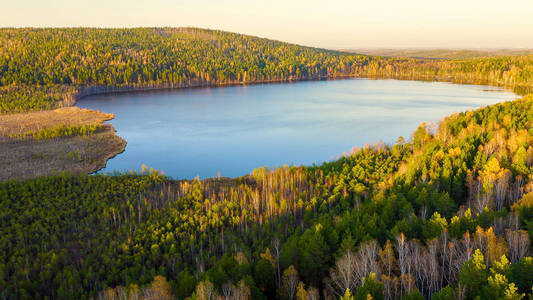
(232, 130)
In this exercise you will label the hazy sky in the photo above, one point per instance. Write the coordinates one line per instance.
(328, 24)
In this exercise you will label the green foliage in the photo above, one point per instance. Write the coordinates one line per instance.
(446, 293)
(474, 274)
(185, 285)
(61, 131)
(371, 286)
(29, 97)
(77, 236)
(522, 274)
(414, 295)
(264, 277)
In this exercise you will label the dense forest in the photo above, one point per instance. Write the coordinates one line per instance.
(446, 214)
(47, 68)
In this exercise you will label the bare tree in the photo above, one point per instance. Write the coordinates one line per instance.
(387, 259)
(403, 252)
(501, 188)
(241, 291)
(369, 251)
(518, 244)
(277, 250)
(158, 290)
(205, 291)
(433, 267)
(290, 281)
(343, 274)
(516, 191)
(227, 290)
(407, 281)
(313, 293)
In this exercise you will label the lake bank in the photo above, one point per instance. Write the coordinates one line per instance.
(88, 91)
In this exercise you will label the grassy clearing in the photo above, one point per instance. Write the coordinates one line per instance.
(37, 123)
(70, 140)
(29, 158)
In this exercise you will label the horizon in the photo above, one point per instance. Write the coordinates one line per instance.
(489, 49)
(342, 24)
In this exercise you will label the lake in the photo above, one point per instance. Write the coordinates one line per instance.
(232, 130)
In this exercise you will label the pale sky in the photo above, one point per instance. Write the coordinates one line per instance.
(327, 24)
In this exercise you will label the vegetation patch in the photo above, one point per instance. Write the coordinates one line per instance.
(60, 131)
(71, 140)
(21, 98)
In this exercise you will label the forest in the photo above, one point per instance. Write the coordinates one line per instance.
(49, 68)
(444, 214)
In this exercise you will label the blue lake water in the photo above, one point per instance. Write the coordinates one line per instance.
(232, 130)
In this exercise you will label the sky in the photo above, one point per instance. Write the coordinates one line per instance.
(326, 23)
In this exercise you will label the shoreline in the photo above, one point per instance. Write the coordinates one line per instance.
(135, 90)
(120, 143)
(94, 90)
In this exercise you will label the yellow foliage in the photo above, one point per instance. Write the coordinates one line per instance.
(526, 201)
(455, 151)
(501, 266)
(497, 281)
(241, 258)
(439, 156)
(468, 213)
(268, 256)
(492, 167)
(301, 294)
(437, 219)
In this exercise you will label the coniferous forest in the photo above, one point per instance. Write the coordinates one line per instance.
(446, 213)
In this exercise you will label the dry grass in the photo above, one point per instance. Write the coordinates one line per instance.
(29, 158)
(17, 124)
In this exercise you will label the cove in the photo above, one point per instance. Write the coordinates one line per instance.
(232, 130)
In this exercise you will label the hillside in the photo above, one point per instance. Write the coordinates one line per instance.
(149, 58)
(48, 68)
(447, 215)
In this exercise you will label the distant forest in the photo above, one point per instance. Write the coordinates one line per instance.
(443, 53)
(46, 68)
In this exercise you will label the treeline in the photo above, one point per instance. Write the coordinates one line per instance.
(18, 98)
(446, 215)
(43, 68)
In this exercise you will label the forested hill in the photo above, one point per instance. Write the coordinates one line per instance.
(447, 215)
(46, 68)
(150, 57)
(82, 56)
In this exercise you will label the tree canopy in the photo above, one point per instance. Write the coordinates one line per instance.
(447, 214)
